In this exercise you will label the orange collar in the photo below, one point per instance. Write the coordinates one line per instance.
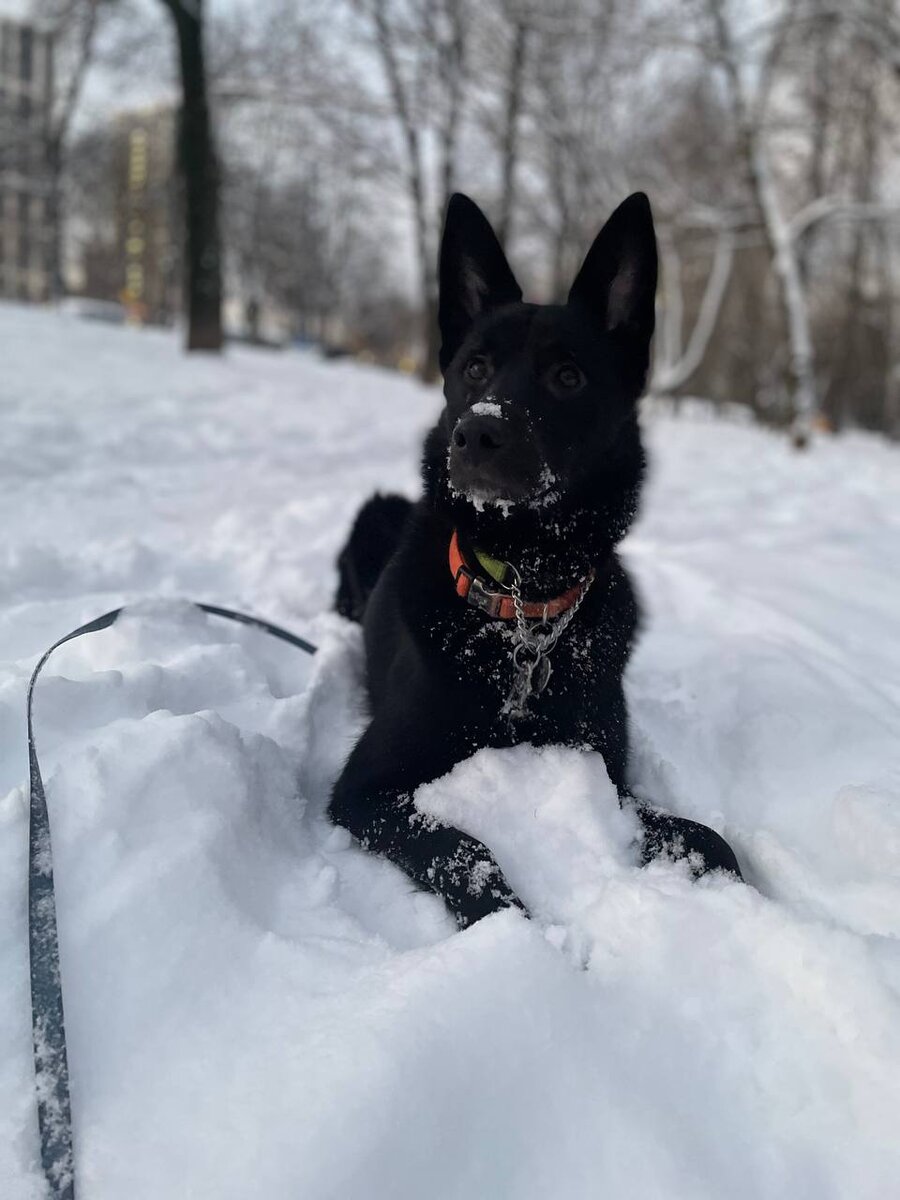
(471, 587)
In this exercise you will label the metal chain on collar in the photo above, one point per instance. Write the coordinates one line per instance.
(534, 642)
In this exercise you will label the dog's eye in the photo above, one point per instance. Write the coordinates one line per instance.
(477, 369)
(568, 377)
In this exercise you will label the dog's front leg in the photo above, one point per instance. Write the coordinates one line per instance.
(373, 799)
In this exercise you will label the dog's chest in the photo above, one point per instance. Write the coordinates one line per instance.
(481, 654)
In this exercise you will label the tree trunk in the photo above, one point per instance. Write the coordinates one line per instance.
(850, 401)
(425, 255)
(891, 339)
(821, 103)
(801, 367)
(779, 237)
(55, 219)
(200, 174)
(57, 136)
(509, 149)
(453, 70)
(428, 368)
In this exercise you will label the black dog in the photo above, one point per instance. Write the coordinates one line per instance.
(531, 477)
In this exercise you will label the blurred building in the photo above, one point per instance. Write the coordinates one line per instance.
(147, 218)
(26, 82)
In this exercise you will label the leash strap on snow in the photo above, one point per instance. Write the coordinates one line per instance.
(47, 1025)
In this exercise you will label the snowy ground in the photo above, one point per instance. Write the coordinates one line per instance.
(258, 1009)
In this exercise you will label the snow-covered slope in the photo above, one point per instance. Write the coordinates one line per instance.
(258, 1009)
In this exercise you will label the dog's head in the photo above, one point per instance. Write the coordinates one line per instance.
(538, 396)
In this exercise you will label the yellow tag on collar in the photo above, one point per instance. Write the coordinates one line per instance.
(495, 567)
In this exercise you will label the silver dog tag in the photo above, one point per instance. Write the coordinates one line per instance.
(540, 676)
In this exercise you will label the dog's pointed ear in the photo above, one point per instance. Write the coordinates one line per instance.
(474, 274)
(617, 281)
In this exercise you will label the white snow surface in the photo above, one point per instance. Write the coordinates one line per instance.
(256, 1007)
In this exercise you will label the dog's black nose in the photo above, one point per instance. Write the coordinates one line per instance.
(479, 437)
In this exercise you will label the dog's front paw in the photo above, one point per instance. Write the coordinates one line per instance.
(471, 883)
(473, 906)
(667, 836)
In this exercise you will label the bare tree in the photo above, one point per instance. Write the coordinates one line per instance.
(200, 175)
(749, 103)
(422, 48)
(828, 53)
(514, 87)
(73, 26)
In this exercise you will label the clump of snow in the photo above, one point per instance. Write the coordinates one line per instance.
(255, 1006)
(545, 494)
(486, 408)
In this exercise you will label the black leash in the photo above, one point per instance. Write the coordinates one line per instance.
(48, 1030)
